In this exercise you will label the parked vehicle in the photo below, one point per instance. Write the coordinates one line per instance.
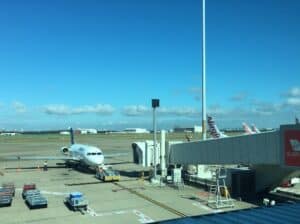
(27, 187)
(36, 201)
(10, 186)
(107, 174)
(76, 201)
(33, 197)
(6, 197)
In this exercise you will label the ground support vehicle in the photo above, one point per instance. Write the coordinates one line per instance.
(107, 174)
(36, 200)
(33, 197)
(6, 197)
(10, 186)
(27, 187)
(76, 202)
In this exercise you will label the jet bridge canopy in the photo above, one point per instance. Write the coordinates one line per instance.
(275, 155)
(280, 147)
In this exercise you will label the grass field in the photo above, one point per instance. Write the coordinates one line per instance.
(29, 138)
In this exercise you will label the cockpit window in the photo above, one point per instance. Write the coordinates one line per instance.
(93, 153)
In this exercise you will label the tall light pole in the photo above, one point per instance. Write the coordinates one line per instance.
(203, 73)
(155, 103)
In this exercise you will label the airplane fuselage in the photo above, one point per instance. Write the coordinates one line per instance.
(86, 154)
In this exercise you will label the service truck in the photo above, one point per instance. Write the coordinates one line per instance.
(76, 202)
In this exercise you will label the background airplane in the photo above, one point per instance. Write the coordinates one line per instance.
(247, 129)
(213, 129)
(84, 155)
(255, 129)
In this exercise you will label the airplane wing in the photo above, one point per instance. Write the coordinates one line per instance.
(115, 155)
(12, 158)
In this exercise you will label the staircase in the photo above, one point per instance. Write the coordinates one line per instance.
(219, 196)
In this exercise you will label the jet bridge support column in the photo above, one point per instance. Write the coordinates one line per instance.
(163, 167)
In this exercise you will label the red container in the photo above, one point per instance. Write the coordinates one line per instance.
(27, 187)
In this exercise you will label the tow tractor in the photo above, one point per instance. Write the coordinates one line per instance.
(106, 173)
(76, 202)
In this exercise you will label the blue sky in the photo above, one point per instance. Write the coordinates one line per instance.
(99, 63)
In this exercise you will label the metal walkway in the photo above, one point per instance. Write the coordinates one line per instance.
(273, 155)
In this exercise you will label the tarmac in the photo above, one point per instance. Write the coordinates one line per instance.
(131, 200)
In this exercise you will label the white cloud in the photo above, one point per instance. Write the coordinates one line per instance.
(293, 92)
(179, 111)
(61, 109)
(239, 96)
(293, 101)
(216, 109)
(141, 110)
(265, 108)
(136, 110)
(19, 107)
(292, 98)
(196, 92)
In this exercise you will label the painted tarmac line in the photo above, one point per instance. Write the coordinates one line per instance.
(49, 192)
(142, 218)
(204, 207)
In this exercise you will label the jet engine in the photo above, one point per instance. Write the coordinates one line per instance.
(64, 150)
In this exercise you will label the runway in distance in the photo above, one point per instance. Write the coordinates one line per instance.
(81, 154)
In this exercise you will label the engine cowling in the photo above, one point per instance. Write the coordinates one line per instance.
(64, 150)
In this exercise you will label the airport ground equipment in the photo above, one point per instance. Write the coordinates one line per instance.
(219, 196)
(176, 178)
(107, 174)
(76, 202)
(34, 199)
(6, 197)
(274, 155)
(27, 187)
(10, 186)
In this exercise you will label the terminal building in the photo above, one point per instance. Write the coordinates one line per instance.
(136, 130)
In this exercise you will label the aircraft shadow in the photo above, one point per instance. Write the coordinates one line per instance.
(134, 174)
(118, 163)
(34, 167)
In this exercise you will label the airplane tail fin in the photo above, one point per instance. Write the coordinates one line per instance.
(255, 129)
(213, 129)
(247, 129)
(72, 136)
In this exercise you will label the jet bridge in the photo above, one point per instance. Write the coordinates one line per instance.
(274, 155)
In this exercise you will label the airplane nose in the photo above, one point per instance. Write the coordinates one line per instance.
(99, 160)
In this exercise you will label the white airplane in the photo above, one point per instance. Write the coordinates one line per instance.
(247, 129)
(213, 129)
(85, 155)
(252, 130)
(255, 129)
